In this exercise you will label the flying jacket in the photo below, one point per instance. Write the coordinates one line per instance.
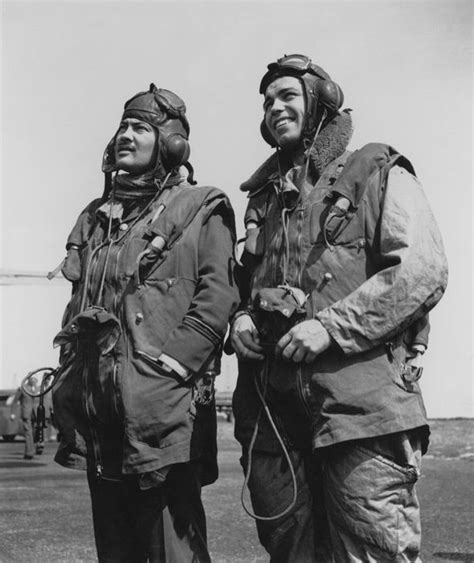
(116, 404)
(365, 247)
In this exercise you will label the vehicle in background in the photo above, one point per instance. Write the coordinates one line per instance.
(10, 414)
(11, 424)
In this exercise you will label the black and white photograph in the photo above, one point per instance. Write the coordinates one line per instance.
(236, 281)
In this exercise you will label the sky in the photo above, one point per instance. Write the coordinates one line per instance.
(68, 67)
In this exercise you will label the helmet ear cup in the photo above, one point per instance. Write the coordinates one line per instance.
(329, 94)
(175, 151)
(108, 160)
(267, 136)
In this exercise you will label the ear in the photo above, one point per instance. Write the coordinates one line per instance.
(108, 160)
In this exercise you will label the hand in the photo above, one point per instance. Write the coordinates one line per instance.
(304, 342)
(174, 365)
(245, 339)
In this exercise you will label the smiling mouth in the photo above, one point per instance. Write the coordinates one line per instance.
(280, 123)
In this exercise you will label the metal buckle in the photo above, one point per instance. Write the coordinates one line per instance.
(411, 374)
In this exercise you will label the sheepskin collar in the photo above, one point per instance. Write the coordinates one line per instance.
(330, 144)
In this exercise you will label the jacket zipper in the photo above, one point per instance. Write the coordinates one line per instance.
(98, 465)
(99, 468)
(301, 390)
(299, 238)
(115, 386)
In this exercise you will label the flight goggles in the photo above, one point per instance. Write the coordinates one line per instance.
(293, 65)
(159, 103)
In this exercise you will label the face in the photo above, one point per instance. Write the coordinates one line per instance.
(284, 108)
(135, 146)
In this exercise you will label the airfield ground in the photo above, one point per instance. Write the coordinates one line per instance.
(45, 509)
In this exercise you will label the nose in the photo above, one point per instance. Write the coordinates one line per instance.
(125, 134)
(277, 106)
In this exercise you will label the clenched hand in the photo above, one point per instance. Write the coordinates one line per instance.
(304, 342)
(245, 339)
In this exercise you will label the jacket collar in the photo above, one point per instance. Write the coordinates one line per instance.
(330, 144)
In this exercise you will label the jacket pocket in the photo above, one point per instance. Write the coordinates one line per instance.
(157, 403)
(154, 310)
(161, 367)
(371, 497)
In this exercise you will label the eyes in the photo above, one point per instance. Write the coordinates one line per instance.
(139, 127)
(290, 95)
(285, 96)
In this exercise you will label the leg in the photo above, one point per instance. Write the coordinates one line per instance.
(114, 524)
(297, 535)
(291, 537)
(29, 443)
(160, 524)
(371, 500)
(184, 520)
(39, 448)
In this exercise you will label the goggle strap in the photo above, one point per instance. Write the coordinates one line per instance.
(297, 63)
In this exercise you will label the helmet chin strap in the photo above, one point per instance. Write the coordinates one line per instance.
(309, 150)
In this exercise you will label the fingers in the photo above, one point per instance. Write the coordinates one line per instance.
(297, 353)
(251, 340)
(304, 342)
(293, 352)
(288, 349)
(245, 352)
(283, 343)
(246, 345)
(292, 348)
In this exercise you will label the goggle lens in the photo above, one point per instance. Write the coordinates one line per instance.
(295, 62)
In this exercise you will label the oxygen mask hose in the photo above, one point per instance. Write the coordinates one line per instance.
(47, 382)
(265, 408)
(28, 386)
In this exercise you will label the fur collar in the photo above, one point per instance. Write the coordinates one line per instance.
(330, 144)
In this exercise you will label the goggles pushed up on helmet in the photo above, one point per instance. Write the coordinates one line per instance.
(159, 105)
(293, 65)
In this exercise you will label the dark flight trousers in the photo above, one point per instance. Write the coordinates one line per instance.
(160, 524)
(356, 502)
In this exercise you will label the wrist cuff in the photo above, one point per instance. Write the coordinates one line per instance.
(240, 314)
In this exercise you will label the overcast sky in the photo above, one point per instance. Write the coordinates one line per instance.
(68, 67)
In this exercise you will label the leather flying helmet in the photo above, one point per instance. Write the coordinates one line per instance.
(323, 97)
(166, 112)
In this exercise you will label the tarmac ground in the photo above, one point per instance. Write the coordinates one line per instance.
(45, 509)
